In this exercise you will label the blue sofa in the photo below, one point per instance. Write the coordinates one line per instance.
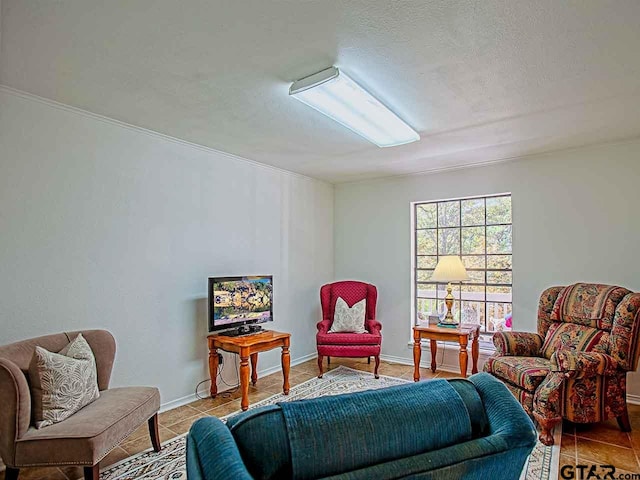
(439, 429)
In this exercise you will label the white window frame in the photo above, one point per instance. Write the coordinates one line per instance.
(486, 333)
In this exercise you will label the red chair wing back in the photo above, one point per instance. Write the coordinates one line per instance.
(351, 292)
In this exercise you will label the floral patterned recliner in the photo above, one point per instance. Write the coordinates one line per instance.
(576, 366)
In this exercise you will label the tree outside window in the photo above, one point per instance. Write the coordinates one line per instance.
(479, 230)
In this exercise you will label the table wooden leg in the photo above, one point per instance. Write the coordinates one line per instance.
(433, 345)
(286, 362)
(244, 379)
(475, 351)
(254, 368)
(417, 352)
(464, 340)
(213, 371)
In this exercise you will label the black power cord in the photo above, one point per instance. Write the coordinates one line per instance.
(198, 386)
(227, 393)
(234, 387)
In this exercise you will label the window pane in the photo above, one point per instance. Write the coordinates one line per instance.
(449, 214)
(426, 242)
(426, 215)
(475, 277)
(499, 239)
(424, 275)
(499, 294)
(426, 290)
(473, 240)
(426, 307)
(473, 211)
(442, 308)
(472, 292)
(427, 261)
(496, 313)
(449, 241)
(478, 229)
(499, 262)
(473, 312)
(473, 261)
(455, 310)
(499, 277)
(498, 210)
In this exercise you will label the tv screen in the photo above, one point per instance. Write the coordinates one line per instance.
(237, 301)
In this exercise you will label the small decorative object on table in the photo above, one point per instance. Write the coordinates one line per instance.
(449, 269)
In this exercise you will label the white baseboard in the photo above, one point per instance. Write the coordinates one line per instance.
(446, 358)
(400, 360)
(261, 373)
(424, 363)
(297, 361)
(178, 402)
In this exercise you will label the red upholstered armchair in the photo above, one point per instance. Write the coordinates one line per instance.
(358, 345)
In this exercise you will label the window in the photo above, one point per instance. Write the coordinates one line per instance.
(479, 231)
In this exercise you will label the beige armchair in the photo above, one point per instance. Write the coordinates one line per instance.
(87, 436)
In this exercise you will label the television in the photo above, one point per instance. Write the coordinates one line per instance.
(237, 304)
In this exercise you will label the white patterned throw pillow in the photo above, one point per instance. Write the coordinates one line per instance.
(347, 319)
(62, 383)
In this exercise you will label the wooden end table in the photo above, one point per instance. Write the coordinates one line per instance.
(248, 347)
(461, 334)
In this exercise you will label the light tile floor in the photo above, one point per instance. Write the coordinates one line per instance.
(581, 444)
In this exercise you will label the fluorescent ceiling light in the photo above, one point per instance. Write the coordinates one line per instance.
(335, 95)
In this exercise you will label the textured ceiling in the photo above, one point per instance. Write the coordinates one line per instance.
(480, 80)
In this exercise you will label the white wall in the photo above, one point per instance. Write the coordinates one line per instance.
(108, 226)
(575, 218)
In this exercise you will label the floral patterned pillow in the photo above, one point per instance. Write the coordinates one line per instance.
(347, 319)
(62, 383)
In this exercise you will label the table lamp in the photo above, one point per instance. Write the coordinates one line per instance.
(449, 269)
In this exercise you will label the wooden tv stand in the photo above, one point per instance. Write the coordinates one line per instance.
(248, 347)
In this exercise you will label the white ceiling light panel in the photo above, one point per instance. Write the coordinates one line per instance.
(335, 95)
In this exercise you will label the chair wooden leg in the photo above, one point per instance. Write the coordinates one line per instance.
(375, 371)
(320, 366)
(11, 473)
(92, 473)
(623, 421)
(328, 361)
(546, 425)
(154, 433)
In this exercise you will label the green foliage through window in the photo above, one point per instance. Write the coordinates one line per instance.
(479, 230)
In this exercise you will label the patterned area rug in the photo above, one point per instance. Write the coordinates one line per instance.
(169, 464)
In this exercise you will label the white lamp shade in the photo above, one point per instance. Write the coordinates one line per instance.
(450, 269)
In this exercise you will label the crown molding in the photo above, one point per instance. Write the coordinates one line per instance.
(486, 163)
(483, 163)
(152, 133)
